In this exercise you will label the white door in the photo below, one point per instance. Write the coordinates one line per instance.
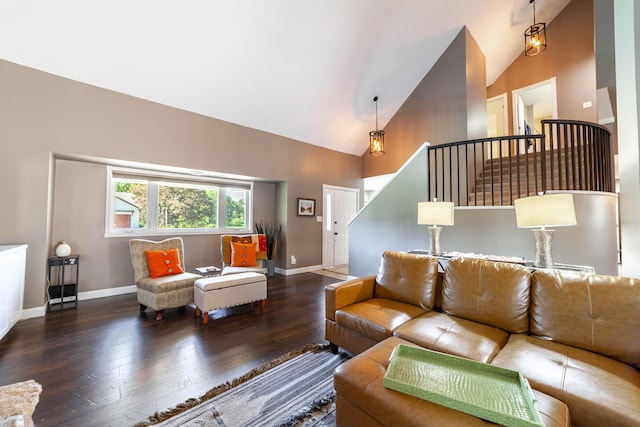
(340, 206)
(497, 116)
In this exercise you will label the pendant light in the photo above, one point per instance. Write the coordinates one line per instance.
(376, 137)
(535, 37)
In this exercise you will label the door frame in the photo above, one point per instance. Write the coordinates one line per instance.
(326, 218)
(551, 82)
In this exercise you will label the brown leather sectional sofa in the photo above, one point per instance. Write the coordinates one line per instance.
(574, 336)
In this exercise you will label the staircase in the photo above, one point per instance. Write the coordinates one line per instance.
(503, 180)
(490, 172)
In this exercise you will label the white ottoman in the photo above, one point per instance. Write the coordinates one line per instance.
(212, 293)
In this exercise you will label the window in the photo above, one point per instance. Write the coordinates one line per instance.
(150, 203)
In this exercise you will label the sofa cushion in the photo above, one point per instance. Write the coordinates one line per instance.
(407, 278)
(598, 390)
(453, 335)
(360, 382)
(376, 318)
(207, 284)
(593, 312)
(168, 283)
(493, 293)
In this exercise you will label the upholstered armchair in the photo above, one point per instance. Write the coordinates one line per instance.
(174, 287)
(232, 265)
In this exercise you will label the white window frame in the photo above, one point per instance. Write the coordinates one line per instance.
(156, 178)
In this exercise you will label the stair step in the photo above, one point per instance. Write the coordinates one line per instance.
(548, 153)
(506, 166)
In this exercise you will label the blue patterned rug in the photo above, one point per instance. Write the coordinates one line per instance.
(294, 390)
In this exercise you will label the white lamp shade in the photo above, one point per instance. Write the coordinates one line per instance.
(548, 210)
(436, 213)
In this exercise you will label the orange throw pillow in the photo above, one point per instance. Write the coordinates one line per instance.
(243, 254)
(163, 263)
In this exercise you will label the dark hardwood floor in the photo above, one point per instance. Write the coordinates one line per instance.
(104, 364)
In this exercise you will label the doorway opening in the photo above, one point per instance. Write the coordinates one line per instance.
(374, 184)
(531, 105)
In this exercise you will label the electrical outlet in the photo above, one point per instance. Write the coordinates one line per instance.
(586, 104)
(293, 260)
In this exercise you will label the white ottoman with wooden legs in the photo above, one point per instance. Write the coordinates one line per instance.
(213, 293)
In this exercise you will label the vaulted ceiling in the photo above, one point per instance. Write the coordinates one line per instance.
(306, 70)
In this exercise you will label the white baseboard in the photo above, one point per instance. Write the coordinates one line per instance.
(110, 292)
(30, 313)
(298, 270)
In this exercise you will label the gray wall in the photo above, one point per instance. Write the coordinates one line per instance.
(43, 117)
(605, 44)
(389, 221)
(493, 231)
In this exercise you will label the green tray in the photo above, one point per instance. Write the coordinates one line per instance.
(485, 391)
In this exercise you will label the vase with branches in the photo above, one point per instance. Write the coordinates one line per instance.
(272, 234)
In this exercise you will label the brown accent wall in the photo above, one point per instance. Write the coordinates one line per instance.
(569, 57)
(43, 116)
(448, 105)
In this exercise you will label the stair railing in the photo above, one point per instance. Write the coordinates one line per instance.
(569, 155)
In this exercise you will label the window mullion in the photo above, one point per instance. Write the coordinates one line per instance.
(152, 205)
(222, 208)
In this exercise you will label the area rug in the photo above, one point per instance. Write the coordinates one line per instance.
(293, 390)
(341, 272)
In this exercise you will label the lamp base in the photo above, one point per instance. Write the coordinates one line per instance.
(434, 234)
(544, 257)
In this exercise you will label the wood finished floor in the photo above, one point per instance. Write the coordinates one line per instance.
(103, 364)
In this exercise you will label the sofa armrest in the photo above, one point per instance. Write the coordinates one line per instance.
(342, 294)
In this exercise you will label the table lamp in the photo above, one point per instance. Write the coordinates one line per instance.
(435, 213)
(548, 210)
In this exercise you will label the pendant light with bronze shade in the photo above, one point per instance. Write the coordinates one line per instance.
(535, 37)
(376, 137)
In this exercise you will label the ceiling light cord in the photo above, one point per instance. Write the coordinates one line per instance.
(375, 99)
(534, 11)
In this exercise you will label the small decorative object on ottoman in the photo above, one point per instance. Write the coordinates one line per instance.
(212, 293)
(17, 403)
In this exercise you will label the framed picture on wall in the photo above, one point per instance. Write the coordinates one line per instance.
(306, 207)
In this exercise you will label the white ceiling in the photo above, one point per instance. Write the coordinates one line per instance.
(307, 70)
